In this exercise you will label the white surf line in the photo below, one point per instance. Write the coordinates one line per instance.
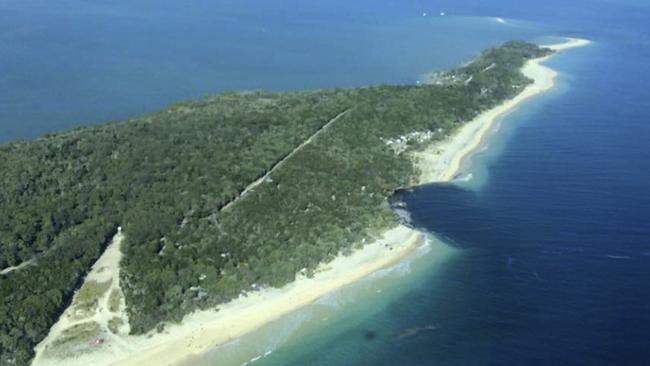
(311, 138)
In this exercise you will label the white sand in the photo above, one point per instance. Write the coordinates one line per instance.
(203, 330)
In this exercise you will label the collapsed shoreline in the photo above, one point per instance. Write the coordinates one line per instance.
(203, 330)
(441, 162)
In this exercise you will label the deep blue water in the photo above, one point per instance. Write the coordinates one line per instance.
(81, 62)
(552, 236)
(552, 257)
(556, 239)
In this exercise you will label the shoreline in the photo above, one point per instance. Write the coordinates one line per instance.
(204, 330)
(201, 331)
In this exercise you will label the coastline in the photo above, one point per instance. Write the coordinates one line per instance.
(441, 162)
(203, 330)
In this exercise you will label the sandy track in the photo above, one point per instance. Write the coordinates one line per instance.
(277, 165)
(105, 269)
(15, 268)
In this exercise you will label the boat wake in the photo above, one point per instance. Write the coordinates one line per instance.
(618, 256)
(257, 358)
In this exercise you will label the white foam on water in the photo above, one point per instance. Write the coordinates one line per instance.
(497, 127)
(618, 256)
(466, 178)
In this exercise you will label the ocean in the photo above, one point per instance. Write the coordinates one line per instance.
(539, 252)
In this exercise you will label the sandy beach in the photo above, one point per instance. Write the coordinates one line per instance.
(203, 330)
(441, 162)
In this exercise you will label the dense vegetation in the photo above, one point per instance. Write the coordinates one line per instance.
(166, 177)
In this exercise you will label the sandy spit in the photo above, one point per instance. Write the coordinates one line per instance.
(441, 162)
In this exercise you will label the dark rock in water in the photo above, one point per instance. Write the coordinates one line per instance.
(369, 335)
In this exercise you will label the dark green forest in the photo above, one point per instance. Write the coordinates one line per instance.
(166, 177)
